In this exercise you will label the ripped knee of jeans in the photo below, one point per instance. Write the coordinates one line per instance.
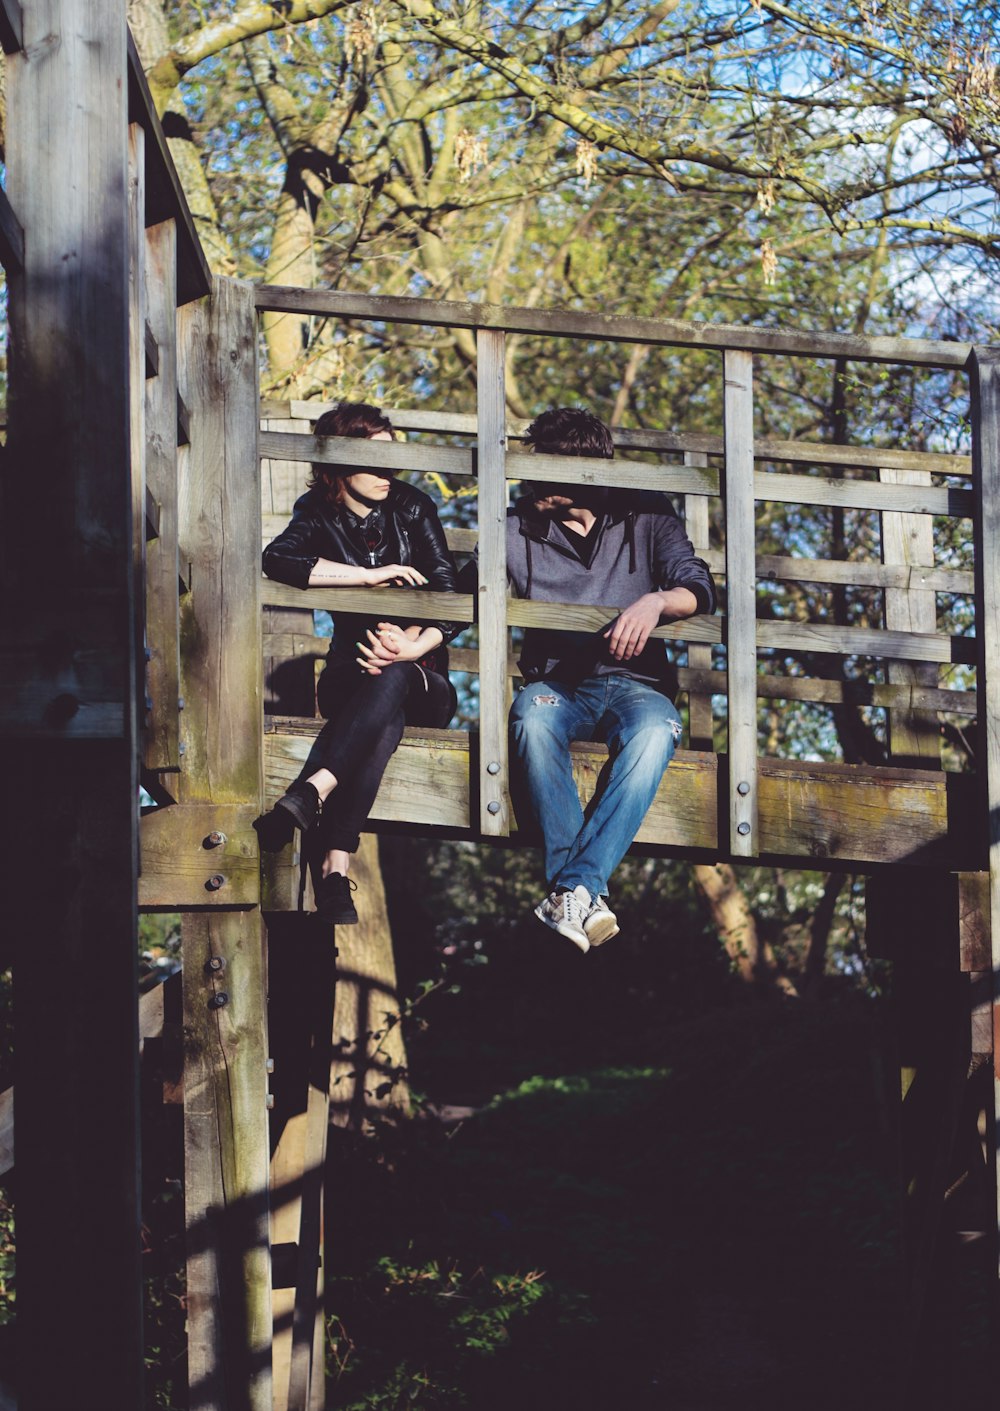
(543, 700)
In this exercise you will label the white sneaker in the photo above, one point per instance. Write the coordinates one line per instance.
(565, 912)
(600, 923)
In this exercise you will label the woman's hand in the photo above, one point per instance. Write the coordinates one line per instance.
(393, 574)
(391, 643)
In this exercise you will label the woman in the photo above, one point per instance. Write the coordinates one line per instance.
(360, 528)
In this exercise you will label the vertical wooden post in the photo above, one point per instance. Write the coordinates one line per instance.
(71, 774)
(984, 365)
(494, 792)
(908, 539)
(225, 1081)
(741, 602)
(162, 605)
(699, 656)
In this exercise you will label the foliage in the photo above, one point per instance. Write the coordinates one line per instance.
(7, 1263)
(758, 1145)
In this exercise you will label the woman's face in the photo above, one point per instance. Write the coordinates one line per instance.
(367, 485)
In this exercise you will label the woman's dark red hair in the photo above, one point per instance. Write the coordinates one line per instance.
(359, 419)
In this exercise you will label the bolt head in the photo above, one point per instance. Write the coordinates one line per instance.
(743, 788)
(493, 807)
(219, 1001)
(743, 829)
(215, 882)
(493, 767)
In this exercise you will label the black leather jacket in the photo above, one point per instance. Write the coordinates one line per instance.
(319, 529)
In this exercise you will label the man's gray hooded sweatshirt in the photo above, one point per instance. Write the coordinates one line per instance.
(637, 546)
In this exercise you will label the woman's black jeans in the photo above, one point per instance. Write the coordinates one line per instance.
(365, 718)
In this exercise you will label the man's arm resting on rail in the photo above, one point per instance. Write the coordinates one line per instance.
(630, 631)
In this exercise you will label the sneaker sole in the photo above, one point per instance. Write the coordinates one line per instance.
(579, 938)
(603, 930)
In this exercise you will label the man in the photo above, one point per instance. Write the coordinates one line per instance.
(573, 544)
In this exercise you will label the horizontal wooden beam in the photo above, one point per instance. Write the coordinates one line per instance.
(197, 856)
(706, 682)
(853, 573)
(850, 815)
(766, 448)
(413, 605)
(865, 641)
(631, 475)
(611, 328)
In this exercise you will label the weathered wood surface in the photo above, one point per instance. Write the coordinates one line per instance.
(582, 617)
(853, 573)
(715, 683)
(908, 540)
(699, 656)
(137, 392)
(741, 610)
(678, 479)
(165, 195)
(612, 328)
(71, 630)
(226, 1139)
(226, 1155)
(862, 494)
(491, 610)
(629, 438)
(184, 868)
(411, 604)
(162, 739)
(865, 641)
(823, 813)
(867, 815)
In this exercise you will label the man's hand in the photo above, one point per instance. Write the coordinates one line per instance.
(630, 631)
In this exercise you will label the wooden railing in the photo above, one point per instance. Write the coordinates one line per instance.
(736, 471)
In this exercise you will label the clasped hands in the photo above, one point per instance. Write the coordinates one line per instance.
(387, 644)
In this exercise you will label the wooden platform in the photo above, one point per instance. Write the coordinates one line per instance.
(846, 814)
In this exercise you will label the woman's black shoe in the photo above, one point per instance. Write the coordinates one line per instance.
(333, 900)
(298, 808)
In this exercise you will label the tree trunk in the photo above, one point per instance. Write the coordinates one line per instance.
(752, 959)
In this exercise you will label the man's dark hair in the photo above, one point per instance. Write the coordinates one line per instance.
(359, 419)
(570, 431)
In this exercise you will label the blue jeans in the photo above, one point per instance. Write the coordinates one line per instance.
(641, 728)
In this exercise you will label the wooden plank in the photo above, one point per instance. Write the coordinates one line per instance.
(985, 368)
(861, 494)
(162, 737)
(184, 869)
(67, 466)
(914, 736)
(917, 352)
(11, 236)
(624, 475)
(684, 443)
(11, 26)
(741, 584)
(866, 574)
(166, 199)
(699, 656)
(418, 605)
(582, 617)
(226, 1139)
(849, 813)
(865, 641)
(351, 451)
(289, 684)
(494, 786)
(226, 1152)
